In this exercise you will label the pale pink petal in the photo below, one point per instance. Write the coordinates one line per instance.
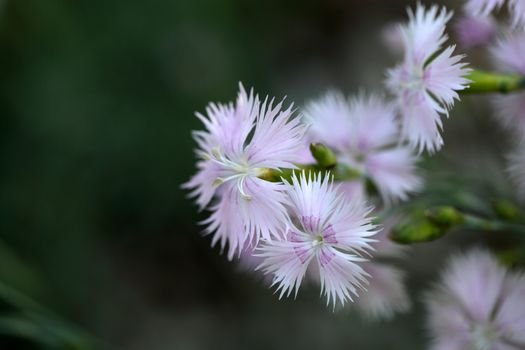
(288, 262)
(394, 173)
(510, 112)
(517, 11)
(445, 75)
(508, 53)
(421, 121)
(226, 224)
(340, 275)
(425, 32)
(329, 119)
(278, 137)
(481, 8)
(475, 31)
(385, 295)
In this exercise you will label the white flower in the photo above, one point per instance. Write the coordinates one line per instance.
(328, 231)
(427, 81)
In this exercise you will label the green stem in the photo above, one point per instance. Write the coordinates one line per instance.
(486, 82)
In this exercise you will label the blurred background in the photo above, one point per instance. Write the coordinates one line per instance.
(99, 246)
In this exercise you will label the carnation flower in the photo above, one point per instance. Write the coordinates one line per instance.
(478, 305)
(364, 134)
(481, 8)
(509, 54)
(327, 234)
(475, 31)
(239, 143)
(427, 81)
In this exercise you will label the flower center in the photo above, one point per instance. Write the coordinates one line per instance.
(484, 336)
(413, 79)
(234, 171)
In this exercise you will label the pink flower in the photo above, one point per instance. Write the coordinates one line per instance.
(509, 54)
(239, 143)
(478, 305)
(481, 8)
(427, 81)
(365, 136)
(475, 31)
(326, 230)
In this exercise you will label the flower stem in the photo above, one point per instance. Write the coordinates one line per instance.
(486, 82)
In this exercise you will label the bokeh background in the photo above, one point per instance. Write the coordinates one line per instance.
(99, 246)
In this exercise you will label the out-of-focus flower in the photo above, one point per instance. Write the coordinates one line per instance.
(240, 141)
(517, 12)
(328, 231)
(475, 31)
(481, 8)
(478, 305)
(364, 134)
(509, 54)
(427, 81)
(516, 168)
(386, 294)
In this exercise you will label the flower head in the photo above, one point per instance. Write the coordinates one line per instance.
(365, 136)
(509, 54)
(328, 231)
(239, 143)
(478, 305)
(427, 81)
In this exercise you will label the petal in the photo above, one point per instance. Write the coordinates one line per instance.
(386, 293)
(445, 75)
(287, 261)
(203, 183)
(393, 171)
(340, 275)
(278, 137)
(421, 121)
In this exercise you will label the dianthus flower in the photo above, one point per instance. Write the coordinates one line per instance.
(427, 81)
(364, 134)
(479, 305)
(481, 8)
(327, 234)
(239, 143)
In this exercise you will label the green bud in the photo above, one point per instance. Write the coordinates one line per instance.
(323, 155)
(505, 209)
(418, 229)
(445, 216)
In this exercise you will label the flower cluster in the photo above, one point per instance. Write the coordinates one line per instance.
(479, 304)
(314, 223)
